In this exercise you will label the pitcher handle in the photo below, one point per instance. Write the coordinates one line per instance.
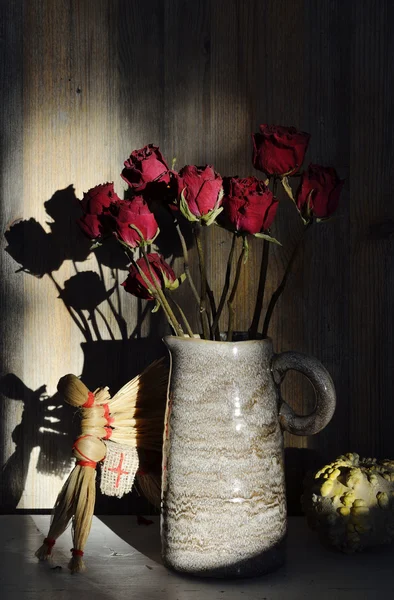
(324, 391)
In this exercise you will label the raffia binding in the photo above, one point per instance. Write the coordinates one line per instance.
(133, 419)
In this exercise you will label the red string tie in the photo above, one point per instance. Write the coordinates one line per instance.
(76, 552)
(141, 472)
(90, 401)
(50, 542)
(109, 419)
(87, 463)
(108, 432)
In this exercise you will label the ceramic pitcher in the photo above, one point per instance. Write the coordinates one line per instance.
(223, 488)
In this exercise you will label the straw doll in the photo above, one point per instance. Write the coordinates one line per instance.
(113, 431)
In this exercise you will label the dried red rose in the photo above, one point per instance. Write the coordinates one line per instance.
(279, 150)
(200, 193)
(163, 276)
(319, 191)
(134, 223)
(95, 205)
(249, 206)
(145, 166)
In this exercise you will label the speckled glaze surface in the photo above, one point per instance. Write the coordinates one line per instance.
(223, 488)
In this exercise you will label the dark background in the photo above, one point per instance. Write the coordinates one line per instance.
(84, 83)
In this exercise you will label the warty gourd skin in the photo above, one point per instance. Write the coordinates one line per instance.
(350, 502)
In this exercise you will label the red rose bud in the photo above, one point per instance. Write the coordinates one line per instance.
(99, 198)
(145, 166)
(249, 206)
(134, 224)
(279, 150)
(319, 191)
(200, 193)
(163, 275)
(95, 206)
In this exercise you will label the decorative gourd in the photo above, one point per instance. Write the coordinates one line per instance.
(350, 502)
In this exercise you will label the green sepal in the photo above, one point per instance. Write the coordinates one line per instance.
(325, 219)
(154, 237)
(307, 216)
(210, 217)
(185, 209)
(144, 242)
(269, 238)
(156, 308)
(174, 285)
(95, 245)
(287, 187)
(134, 250)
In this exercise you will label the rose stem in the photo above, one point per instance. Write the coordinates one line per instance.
(203, 296)
(162, 298)
(226, 288)
(85, 332)
(279, 290)
(234, 291)
(186, 263)
(187, 268)
(119, 319)
(212, 303)
(183, 317)
(155, 295)
(260, 291)
(262, 281)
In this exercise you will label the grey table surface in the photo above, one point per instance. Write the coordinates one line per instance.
(123, 562)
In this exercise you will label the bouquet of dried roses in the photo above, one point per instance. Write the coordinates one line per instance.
(198, 197)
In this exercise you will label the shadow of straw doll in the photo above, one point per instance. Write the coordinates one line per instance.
(45, 423)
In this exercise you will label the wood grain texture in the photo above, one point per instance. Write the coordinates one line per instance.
(11, 186)
(86, 84)
(371, 213)
(327, 251)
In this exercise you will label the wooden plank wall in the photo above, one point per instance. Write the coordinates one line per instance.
(86, 82)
